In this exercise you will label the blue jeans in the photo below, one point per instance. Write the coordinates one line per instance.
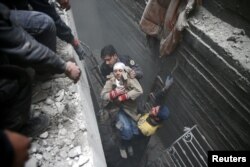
(37, 24)
(127, 126)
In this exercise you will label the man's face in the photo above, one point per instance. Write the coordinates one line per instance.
(154, 111)
(118, 73)
(110, 60)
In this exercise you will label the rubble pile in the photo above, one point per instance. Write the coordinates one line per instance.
(64, 143)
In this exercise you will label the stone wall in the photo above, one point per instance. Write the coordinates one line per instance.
(212, 81)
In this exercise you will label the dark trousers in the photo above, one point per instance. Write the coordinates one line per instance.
(37, 24)
(15, 97)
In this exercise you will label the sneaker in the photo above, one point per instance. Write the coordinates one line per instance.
(130, 151)
(35, 126)
(123, 153)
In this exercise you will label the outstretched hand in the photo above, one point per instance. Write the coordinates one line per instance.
(169, 81)
(79, 48)
(72, 71)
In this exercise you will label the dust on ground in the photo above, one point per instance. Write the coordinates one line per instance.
(233, 40)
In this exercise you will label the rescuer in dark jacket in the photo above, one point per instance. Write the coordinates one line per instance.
(19, 50)
(110, 57)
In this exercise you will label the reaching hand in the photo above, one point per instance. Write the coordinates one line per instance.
(20, 145)
(79, 48)
(169, 81)
(73, 71)
(64, 4)
(132, 74)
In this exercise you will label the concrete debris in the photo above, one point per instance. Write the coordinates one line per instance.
(62, 132)
(46, 85)
(62, 144)
(75, 152)
(49, 101)
(60, 95)
(39, 96)
(49, 110)
(60, 107)
(32, 162)
(232, 40)
(44, 135)
(65, 142)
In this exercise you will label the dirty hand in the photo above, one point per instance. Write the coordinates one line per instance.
(72, 71)
(116, 92)
(64, 4)
(132, 74)
(79, 48)
(20, 145)
(169, 81)
(123, 97)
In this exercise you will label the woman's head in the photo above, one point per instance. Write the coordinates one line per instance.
(118, 69)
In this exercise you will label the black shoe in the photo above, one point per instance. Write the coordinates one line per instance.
(35, 126)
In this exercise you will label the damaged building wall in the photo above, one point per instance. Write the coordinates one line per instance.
(211, 87)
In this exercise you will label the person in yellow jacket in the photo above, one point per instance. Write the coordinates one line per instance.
(152, 120)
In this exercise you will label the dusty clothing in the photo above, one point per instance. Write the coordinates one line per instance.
(106, 70)
(166, 20)
(133, 90)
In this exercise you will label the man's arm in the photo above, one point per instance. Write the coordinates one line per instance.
(128, 61)
(159, 97)
(135, 89)
(20, 46)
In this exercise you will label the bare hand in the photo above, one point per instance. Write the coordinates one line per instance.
(73, 71)
(64, 4)
(132, 74)
(20, 144)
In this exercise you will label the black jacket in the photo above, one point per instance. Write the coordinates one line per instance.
(128, 61)
(62, 30)
(18, 46)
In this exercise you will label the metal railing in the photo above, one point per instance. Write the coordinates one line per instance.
(187, 151)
